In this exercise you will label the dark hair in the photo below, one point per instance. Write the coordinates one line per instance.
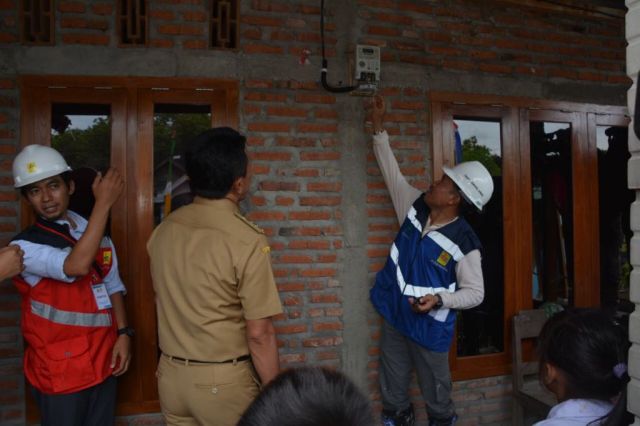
(66, 178)
(309, 396)
(214, 160)
(586, 344)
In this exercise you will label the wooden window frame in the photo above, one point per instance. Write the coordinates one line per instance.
(132, 101)
(25, 33)
(515, 114)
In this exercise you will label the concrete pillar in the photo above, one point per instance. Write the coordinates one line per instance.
(633, 66)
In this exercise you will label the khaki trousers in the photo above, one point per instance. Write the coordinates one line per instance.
(205, 394)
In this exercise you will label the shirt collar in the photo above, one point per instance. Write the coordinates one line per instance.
(221, 203)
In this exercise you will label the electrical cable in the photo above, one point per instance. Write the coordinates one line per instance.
(323, 74)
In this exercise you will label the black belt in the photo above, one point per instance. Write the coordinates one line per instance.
(195, 361)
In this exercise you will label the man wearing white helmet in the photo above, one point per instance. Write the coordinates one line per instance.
(433, 269)
(73, 315)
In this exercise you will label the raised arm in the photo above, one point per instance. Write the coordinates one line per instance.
(107, 190)
(401, 192)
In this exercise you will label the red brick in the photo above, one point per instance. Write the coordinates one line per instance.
(262, 21)
(8, 38)
(309, 215)
(286, 112)
(94, 24)
(284, 201)
(262, 48)
(297, 142)
(281, 35)
(180, 29)
(7, 149)
(262, 215)
(71, 7)
(194, 16)
(322, 341)
(271, 156)
(291, 329)
(328, 272)
(278, 186)
(265, 97)
(269, 127)
(7, 4)
(292, 358)
(317, 128)
(324, 187)
(6, 84)
(310, 245)
(308, 98)
(252, 34)
(319, 156)
(327, 326)
(307, 172)
(90, 39)
(162, 15)
(102, 9)
(320, 201)
(329, 258)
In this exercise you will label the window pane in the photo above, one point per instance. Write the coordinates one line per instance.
(174, 125)
(615, 230)
(82, 134)
(480, 330)
(552, 201)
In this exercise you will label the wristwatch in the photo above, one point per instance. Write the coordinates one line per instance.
(129, 331)
(438, 304)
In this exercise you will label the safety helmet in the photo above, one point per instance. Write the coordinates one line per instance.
(37, 162)
(474, 181)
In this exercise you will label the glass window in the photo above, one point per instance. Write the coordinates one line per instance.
(480, 330)
(615, 199)
(552, 202)
(174, 125)
(82, 134)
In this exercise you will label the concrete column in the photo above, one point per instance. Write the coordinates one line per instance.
(633, 66)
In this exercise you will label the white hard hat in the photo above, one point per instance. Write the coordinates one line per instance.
(37, 162)
(474, 181)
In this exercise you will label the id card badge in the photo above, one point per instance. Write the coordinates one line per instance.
(102, 297)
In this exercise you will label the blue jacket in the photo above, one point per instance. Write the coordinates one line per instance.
(418, 266)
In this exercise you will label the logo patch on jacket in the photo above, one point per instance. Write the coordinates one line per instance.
(444, 258)
(106, 257)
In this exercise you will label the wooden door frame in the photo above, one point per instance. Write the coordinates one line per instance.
(138, 386)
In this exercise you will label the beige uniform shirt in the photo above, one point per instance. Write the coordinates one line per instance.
(211, 272)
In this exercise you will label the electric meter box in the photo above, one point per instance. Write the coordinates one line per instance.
(367, 69)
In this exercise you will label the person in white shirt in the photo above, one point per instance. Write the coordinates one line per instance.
(73, 315)
(433, 269)
(583, 361)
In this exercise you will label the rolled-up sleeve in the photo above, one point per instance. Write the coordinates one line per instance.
(112, 280)
(41, 260)
(470, 292)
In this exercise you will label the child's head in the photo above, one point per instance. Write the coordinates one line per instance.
(583, 354)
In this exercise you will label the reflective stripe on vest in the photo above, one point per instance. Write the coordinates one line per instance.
(59, 316)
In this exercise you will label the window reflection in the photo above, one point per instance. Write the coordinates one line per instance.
(174, 125)
(82, 134)
(480, 330)
(615, 230)
(552, 202)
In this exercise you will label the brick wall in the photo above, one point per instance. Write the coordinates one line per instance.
(306, 144)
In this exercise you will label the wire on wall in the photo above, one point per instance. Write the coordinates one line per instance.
(323, 74)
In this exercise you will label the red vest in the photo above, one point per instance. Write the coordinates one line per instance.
(70, 340)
